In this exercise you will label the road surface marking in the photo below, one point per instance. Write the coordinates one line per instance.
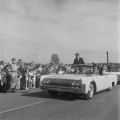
(9, 110)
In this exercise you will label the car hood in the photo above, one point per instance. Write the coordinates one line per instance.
(67, 76)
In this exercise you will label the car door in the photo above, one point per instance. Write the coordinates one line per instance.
(101, 82)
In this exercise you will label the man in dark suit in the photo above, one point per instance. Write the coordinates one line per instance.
(78, 59)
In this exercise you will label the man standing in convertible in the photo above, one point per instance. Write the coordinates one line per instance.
(78, 59)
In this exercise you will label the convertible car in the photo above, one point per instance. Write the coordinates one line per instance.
(81, 79)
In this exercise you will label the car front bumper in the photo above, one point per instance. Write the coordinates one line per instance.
(78, 90)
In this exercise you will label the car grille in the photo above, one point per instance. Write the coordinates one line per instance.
(58, 82)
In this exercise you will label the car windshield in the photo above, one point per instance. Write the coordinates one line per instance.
(80, 69)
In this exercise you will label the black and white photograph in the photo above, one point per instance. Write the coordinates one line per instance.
(59, 59)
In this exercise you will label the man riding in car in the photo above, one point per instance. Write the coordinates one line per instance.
(78, 59)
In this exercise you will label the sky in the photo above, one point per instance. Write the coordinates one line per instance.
(34, 29)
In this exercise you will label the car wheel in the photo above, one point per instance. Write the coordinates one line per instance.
(52, 93)
(91, 91)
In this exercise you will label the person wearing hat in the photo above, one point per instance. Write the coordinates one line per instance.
(14, 71)
(19, 62)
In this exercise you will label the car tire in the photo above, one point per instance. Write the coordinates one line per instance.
(91, 91)
(52, 93)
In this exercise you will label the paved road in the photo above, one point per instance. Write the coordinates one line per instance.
(36, 105)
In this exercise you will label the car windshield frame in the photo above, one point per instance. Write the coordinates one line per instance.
(80, 69)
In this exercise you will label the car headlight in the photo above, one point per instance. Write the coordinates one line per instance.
(45, 81)
(77, 83)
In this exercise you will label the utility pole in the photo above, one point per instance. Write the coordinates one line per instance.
(107, 57)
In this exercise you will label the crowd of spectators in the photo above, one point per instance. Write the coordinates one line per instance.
(19, 75)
